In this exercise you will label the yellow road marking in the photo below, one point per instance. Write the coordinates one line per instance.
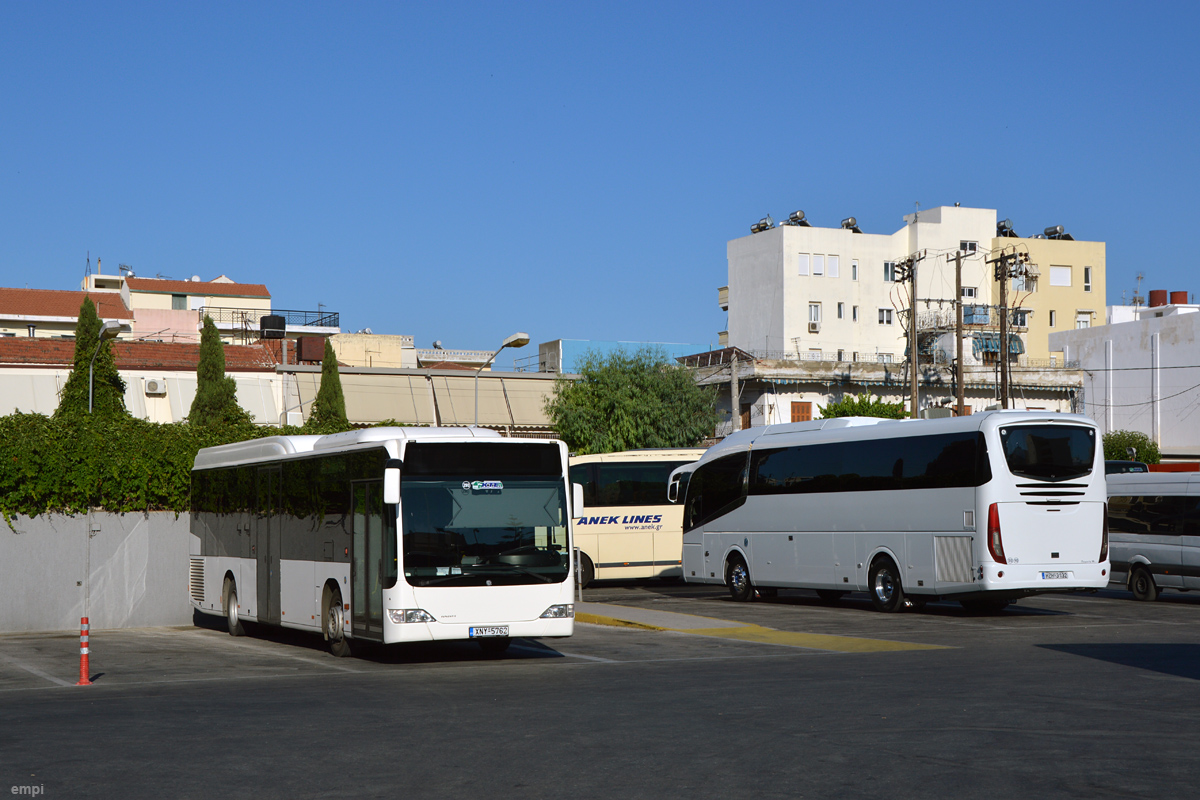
(596, 619)
(815, 641)
(757, 633)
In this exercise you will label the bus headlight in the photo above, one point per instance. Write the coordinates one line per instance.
(565, 611)
(402, 615)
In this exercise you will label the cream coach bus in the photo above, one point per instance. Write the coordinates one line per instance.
(386, 535)
(982, 509)
(627, 529)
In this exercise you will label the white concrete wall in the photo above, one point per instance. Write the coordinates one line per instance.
(1142, 376)
(138, 575)
(35, 390)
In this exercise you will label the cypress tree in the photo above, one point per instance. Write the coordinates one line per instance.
(329, 408)
(108, 388)
(215, 404)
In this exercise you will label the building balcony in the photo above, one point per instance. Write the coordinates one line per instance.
(321, 322)
(723, 298)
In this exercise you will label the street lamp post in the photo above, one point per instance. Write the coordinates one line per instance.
(518, 339)
(108, 330)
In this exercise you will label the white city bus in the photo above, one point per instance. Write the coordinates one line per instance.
(982, 509)
(386, 535)
(627, 529)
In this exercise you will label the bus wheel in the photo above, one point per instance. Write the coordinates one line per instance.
(830, 596)
(494, 647)
(334, 624)
(887, 594)
(737, 575)
(231, 610)
(1141, 583)
(587, 571)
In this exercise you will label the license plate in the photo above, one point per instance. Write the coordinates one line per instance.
(492, 630)
(1053, 576)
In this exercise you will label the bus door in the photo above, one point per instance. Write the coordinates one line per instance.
(367, 556)
(266, 543)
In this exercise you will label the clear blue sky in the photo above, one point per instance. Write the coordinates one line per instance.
(460, 171)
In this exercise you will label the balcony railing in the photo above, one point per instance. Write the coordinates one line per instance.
(249, 317)
(937, 356)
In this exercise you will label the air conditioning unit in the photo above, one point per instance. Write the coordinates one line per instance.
(814, 327)
(156, 386)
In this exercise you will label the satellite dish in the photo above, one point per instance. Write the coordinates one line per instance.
(196, 278)
(437, 344)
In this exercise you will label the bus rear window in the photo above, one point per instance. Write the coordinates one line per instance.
(1049, 452)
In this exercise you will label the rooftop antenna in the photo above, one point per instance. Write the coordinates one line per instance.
(88, 270)
(1137, 295)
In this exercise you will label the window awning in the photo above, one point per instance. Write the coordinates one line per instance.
(989, 342)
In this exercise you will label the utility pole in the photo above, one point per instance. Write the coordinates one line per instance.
(907, 270)
(958, 333)
(734, 393)
(1008, 264)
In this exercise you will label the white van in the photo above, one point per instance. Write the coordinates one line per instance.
(1154, 531)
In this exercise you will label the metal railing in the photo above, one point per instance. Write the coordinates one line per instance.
(249, 317)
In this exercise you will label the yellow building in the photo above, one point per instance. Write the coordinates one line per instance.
(1064, 290)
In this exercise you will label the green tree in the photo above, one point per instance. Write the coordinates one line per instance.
(863, 406)
(1117, 444)
(626, 400)
(328, 413)
(215, 404)
(108, 389)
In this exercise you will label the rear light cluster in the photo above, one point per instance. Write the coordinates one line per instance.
(994, 540)
(1104, 537)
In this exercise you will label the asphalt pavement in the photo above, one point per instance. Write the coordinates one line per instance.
(666, 690)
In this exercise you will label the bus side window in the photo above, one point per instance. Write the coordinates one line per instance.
(716, 488)
(585, 475)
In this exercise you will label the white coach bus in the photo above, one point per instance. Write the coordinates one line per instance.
(386, 535)
(983, 509)
(627, 528)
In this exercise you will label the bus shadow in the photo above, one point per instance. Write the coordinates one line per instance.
(450, 652)
(1179, 659)
(801, 598)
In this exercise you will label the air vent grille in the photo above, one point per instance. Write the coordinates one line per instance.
(953, 557)
(196, 579)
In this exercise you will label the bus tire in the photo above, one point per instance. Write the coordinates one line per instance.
(830, 596)
(494, 647)
(587, 570)
(333, 623)
(737, 577)
(887, 593)
(231, 610)
(1141, 583)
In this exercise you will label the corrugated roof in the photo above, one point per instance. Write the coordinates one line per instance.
(27, 351)
(56, 303)
(210, 288)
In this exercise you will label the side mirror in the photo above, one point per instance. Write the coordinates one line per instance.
(391, 481)
(673, 491)
(576, 500)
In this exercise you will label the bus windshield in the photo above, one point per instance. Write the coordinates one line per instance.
(459, 532)
(1049, 452)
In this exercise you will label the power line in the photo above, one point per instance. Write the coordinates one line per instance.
(1145, 403)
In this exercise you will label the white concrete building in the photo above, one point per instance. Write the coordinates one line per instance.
(829, 294)
(1143, 375)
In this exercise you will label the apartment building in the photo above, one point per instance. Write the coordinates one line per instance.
(1063, 290)
(830, 294)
